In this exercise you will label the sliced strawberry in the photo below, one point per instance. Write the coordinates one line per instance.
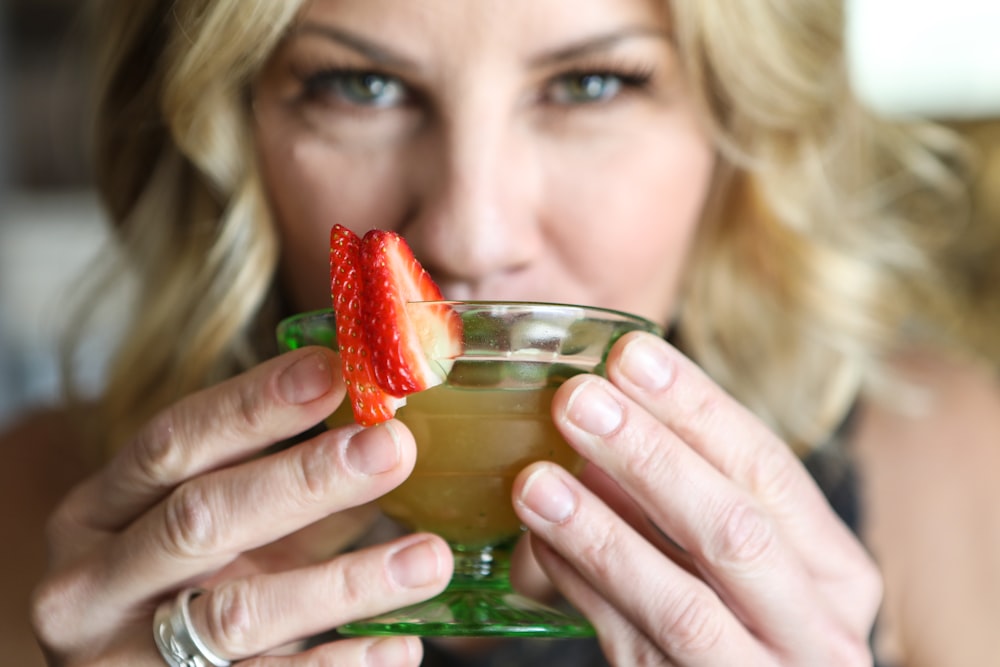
(371, 404)
(410, 346)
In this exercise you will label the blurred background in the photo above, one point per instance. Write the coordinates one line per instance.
(50, 222)
(943, 61)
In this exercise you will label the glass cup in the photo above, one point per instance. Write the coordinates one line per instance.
(474, 434)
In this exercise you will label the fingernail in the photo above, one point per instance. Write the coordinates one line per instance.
(390, 651)
(645, 362)
(593, 409)
(548, 496)
(306, 380)
(415, 565)
(372, 451)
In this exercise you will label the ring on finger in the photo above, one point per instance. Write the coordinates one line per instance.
(175, 637)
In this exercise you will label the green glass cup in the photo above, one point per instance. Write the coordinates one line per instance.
(474, 434)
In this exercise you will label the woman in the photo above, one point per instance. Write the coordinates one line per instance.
(702, 167)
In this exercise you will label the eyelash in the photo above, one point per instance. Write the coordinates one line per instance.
(317, 82)
(633, 78)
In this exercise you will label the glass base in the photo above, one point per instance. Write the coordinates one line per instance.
(474, 612)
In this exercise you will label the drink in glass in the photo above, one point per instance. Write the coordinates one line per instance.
(474, 433)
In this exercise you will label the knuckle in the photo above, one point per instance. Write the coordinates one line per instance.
(649, 460)
(599, 552)
(249, 408)
(643, 459)
(706, 409)
(189, 526)
(694, 626)
(53, 611)
(351, 584)
(155, 453)
(774, 476)
(230, 618)
(744, 538)
(46, 619)
(316, 470)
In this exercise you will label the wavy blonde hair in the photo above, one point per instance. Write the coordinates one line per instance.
(176, 168)
(836, 238)
(832, 238)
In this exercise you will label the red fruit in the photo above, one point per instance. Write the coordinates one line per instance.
(410, 346)
(387, 348)
(370, 403)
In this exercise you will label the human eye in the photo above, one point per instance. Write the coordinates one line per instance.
(594, 86)
(355, 88)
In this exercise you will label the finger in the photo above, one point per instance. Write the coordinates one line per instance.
(678, 612)
(526, 577)
(320, 540)
(622, 643)
(206, 522)
(735, 542)
(246, 617)
(211, 429)
(676, 392)
(619, 502)
(362, 651)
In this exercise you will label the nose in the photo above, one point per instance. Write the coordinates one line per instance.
(475, 224)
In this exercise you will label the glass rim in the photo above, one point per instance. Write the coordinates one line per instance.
(612, 313)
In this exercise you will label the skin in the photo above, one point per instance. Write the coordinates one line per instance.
(502, 189)
(508, 183)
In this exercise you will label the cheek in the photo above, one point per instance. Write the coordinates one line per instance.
(627, 225)
(311, 186)
(298, 203)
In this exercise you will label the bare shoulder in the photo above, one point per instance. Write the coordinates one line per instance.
(40, 461)
(930, 471)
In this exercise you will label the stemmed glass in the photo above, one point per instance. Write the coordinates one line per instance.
(474, 433)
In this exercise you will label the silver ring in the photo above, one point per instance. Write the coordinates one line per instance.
(176, 638)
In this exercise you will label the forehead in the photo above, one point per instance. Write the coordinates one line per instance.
(461, 24)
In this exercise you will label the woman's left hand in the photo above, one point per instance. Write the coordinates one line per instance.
(696, 537)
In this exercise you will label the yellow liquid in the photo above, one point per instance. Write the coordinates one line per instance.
(471, 443)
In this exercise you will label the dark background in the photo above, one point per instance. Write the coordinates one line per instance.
(44, 64)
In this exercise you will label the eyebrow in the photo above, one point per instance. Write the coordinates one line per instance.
(383, 56)
(374, 52)
(601, 42)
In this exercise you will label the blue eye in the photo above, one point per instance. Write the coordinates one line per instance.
(586, 88)
(360, 88)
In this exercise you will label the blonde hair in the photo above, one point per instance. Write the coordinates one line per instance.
(836, 239)
(830, 239)
(176, 169)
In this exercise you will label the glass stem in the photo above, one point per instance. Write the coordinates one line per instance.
(488, 567)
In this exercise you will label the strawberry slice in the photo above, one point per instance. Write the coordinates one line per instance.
(411, 347)
(370, 403)
(388, 349)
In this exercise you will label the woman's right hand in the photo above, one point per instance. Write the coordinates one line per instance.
(189, 501)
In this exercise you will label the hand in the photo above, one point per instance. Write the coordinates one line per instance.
(190, 501)
(696, 537)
